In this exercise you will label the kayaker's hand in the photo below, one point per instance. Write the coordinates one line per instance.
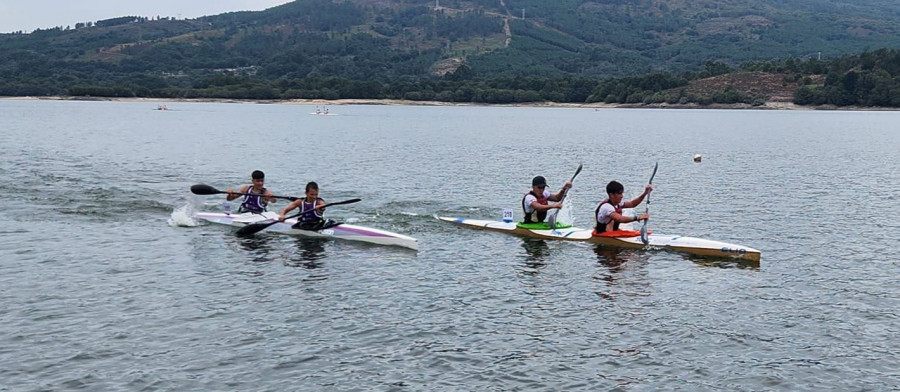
(567, 185)
(281, 217)
(648, 188)
(557, 205)
(642, 217)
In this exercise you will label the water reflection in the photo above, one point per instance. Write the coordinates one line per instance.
(615, 261)
(259, 246)
(612, 257)
(536, 252)
(721, 262)
(309, 252)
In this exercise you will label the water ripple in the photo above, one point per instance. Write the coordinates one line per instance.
(109, 285)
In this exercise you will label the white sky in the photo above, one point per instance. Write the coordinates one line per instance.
(27, 15)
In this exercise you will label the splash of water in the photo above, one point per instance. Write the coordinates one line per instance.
(183, 217)
(566, 214)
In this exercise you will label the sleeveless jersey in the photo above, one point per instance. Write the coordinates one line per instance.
(309, 213)
(253, 202)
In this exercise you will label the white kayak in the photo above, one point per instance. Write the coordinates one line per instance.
(628, 239)
(342, 231)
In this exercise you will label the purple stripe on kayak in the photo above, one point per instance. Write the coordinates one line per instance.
(364, 232)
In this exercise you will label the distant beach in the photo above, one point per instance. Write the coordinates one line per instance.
(769, 105)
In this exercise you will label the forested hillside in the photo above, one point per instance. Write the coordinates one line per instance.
(454, 50)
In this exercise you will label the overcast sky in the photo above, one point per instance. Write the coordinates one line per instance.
(27, 15)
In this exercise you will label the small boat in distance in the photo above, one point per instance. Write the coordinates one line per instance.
(323, 112)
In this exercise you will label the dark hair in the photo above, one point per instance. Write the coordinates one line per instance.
(312, 185)
(257, 175)
(614, 187)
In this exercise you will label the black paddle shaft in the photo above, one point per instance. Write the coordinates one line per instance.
(203, 189)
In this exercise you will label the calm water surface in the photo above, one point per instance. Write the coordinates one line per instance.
(106, 284)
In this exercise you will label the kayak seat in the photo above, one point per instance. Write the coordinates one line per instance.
(540, 226)
(318, 225)
(618, 233)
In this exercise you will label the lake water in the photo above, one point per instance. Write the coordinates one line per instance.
(107, 284)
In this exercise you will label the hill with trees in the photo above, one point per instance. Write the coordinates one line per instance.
(617, 51)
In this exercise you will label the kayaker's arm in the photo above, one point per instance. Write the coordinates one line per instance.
(562, 192)
(637, 200)
(270, 198)
(234, 195)
(545, 207)
(288, 208)
(320, 205)
(626, 219)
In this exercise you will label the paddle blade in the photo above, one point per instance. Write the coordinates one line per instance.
(580, 166)
(254, 228)
(203, 189)
(644, 237)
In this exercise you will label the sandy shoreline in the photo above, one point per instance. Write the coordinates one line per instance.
(770, 105)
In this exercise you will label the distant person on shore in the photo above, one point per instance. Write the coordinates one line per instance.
(609, 213)
(537, 202)
(311, 210)
(256, 196)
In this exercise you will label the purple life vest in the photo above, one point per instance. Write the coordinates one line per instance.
(253, 202)
(308, 211)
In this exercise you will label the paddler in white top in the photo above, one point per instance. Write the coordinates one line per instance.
(256, 196)
(536, 203)
(609, 212)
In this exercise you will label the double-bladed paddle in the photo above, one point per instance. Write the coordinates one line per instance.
(644, 238)
(256, 227)
(203, 189)
(552, 219)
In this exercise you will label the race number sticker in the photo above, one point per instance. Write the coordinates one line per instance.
(507, 214)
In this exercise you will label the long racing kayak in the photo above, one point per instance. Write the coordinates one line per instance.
(622, 238)
(341, 231)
